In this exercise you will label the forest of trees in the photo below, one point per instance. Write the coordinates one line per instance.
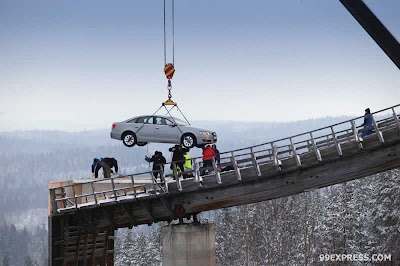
(23, 247)
(361, 216)
(357, 217)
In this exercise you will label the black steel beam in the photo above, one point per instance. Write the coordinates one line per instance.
(375, 28)
(128, 211)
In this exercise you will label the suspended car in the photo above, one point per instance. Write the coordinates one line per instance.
(141, 130)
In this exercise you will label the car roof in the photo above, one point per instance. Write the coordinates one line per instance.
(163, 116)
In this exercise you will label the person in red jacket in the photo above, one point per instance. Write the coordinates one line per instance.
(208, 154)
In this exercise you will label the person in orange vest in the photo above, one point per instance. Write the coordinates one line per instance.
(208, 154)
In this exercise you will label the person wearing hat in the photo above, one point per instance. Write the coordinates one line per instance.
(367, 124)
(158, 161)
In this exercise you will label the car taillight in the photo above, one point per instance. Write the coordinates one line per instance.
(114, 125)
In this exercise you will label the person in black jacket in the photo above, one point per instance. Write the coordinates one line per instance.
(217, 155)
(158, 161)
(178, 158)
(112, 163)
(106, 164)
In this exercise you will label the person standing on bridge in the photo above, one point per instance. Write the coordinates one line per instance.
(177, 158)
(158, 161)
(217, 154)
(367, 123)
(187, 173)
(208, 155)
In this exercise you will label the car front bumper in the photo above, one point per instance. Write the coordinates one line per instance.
(209, 139)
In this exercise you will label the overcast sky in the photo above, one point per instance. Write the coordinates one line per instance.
(75, 65)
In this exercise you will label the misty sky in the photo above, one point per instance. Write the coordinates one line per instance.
(75, 65)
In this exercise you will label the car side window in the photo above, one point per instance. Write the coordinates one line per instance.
(132, 120)
(160, 121)
(140, 120)
(148, 120)
(168, 122)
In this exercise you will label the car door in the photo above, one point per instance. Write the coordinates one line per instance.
(165, 130)
(144, 129)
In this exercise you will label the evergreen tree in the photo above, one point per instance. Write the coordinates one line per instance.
(154, 243)
(228, 236)
(140, 254)
(385, 217)
(6, 260)
(260, 238)
(28, 261)
(126, 250)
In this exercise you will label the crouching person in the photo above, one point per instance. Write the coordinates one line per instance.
(106, 164)
(100, 164)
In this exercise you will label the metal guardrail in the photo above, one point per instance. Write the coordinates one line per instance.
(266, 153)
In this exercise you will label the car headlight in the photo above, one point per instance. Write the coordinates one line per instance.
(205, 133)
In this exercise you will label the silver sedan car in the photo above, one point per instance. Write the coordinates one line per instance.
(161, 129)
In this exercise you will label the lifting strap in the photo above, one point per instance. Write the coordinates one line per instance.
(168, 113)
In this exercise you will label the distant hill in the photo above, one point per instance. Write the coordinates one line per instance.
(30, 159)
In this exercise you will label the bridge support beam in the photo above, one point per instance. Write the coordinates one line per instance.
(189, 244)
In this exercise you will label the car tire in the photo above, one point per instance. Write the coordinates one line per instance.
(141, 144)
(188, 140)
(129, 139)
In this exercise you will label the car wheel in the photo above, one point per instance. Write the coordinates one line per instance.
(141, 144)
(188, 140)
(129, 139)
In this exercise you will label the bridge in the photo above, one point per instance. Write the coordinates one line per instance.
(83, 214)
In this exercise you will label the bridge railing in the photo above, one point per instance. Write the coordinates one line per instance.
(95, 192)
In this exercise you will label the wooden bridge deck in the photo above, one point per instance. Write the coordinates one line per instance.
(276, 169)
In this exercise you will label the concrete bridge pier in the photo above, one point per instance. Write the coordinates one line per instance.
(189, 244)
